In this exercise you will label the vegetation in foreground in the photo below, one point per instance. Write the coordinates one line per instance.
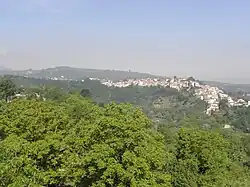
(71, 140)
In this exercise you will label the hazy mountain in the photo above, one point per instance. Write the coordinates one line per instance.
(78, 73)
(2, 68)
(229, 87)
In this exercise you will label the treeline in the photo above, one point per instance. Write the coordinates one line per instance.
(58, 138)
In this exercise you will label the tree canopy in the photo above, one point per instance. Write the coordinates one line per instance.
(7, 88)
(128, 137)
(42, 145)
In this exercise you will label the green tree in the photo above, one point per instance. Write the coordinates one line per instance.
(86, 93)
(201, 159)
(246, 143)
(122, 151)
(79, 144)
(7, 88)
(54, 93)
(32, 151)
(223, 104)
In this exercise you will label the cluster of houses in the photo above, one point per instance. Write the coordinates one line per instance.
(211, 95)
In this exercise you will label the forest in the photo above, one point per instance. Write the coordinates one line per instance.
(73, 133)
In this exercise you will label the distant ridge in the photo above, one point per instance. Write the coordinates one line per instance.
(78, 73)
(229, 87)
(5, 70)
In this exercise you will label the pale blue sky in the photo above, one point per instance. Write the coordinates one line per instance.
(207, 39)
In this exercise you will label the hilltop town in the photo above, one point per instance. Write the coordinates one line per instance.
(210, 94)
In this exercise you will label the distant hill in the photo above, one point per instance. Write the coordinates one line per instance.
(3, 68)
(77, 73)
(229, 87)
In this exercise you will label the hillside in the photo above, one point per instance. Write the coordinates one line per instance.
(64, 72)
(212, 95)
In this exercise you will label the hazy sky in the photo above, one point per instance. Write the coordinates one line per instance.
(207, 39)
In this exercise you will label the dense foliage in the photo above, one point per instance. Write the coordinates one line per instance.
(7, 88)
(79, 137)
